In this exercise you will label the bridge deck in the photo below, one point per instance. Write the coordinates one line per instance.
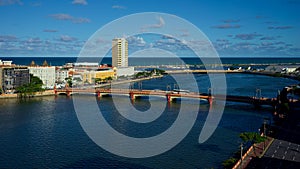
(170, 94)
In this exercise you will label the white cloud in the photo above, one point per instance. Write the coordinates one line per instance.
(118, 7)
(159, 24)
(66, 38)
(80, 2)
(67, 17)
(136, 41)
(50, 30)
(61, 16)
(10, 2)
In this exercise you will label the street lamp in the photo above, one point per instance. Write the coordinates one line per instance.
(258, 93)
(176, 86)
(209, 91)
(168, 88)
(140, 85)
(241, 146)
(266, 120)
(131, 86)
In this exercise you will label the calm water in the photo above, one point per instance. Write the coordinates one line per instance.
(45, 132)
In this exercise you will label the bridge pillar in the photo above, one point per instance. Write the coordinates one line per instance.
(55, 91)
(256, 103)
(169, 98)
(210, 100)
(68, 93)
(98, 94)
(131, 95)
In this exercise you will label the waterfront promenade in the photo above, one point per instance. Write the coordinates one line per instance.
(52, 93)
(284, 152)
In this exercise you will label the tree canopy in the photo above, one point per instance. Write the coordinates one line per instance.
(252, 137)
(29, 89)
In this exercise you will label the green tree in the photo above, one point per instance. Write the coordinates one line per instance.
(109, 78)
(97, 80)
(35, 85)
(69, 81)
(229, 162)
(253, 138)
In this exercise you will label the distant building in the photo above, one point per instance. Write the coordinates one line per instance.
(86, 64)
(22, 76)
(12, 76)
(90, 76)
(119, 52)
(45, 73)
(282, 68)
(61, 74)
(5, 63)
(288, 69)
(125, 71)
(120, 57)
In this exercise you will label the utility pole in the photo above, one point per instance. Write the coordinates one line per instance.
(241, 146)
(140, 85)
(131, 86)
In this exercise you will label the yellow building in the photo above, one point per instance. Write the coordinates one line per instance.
(90, 76)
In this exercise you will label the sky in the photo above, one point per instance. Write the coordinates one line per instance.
(236, 28)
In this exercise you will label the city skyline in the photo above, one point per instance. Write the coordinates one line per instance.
(235, 28)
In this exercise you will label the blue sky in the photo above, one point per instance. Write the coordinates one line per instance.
(239, 28)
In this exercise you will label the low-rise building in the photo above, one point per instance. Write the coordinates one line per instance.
(5, 62)
(125, 71)
(100, 74)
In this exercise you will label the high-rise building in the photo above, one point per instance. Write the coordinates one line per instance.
(12, 77)
(119, 52)
(45, 73)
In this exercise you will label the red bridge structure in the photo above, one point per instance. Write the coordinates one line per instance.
(169, 95)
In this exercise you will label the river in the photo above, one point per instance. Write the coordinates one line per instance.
(44, 132)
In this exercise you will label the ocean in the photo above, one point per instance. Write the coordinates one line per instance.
(144, 61)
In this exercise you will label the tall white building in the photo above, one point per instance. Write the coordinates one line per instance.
(119, 52)
(45, 73)
(61, 74)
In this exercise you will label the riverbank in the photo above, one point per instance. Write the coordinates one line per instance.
(38, 94)
(203, 71)
(52, 93)
(273, 74)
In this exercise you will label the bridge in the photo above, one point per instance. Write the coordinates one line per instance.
(169, 95)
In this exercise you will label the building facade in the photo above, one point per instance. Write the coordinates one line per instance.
(119, 52)
(125, 71)
(45, 73)
(61, 74)
(91, 76)
(13, 77)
